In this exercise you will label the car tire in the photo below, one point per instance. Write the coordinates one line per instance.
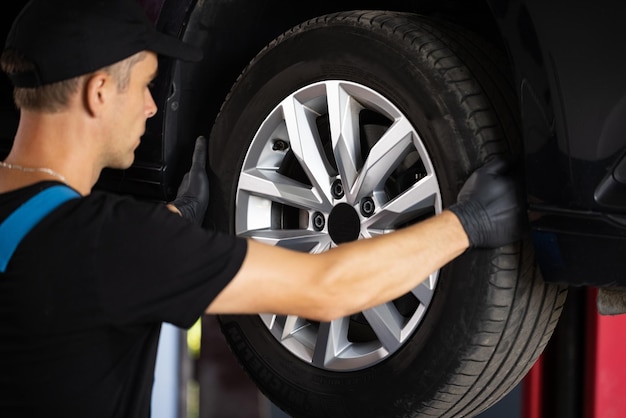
(471, 334)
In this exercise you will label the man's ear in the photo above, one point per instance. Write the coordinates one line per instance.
(97, 92)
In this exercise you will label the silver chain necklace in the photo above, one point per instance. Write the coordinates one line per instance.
(34, 170)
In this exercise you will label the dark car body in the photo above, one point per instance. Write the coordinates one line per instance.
(568, 69)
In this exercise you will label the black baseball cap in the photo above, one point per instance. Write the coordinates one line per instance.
(69, 38)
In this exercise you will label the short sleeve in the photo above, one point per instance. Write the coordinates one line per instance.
(152, 265)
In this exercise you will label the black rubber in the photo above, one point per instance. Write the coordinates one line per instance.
(491, 314)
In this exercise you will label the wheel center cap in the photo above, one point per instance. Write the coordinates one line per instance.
(344, 224)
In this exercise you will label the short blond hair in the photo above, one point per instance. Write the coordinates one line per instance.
(55, 97)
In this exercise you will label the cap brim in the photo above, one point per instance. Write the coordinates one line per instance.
(171, 47)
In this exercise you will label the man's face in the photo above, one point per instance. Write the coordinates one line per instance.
(130, 110)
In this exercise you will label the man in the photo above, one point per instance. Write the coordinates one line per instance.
(84, 292)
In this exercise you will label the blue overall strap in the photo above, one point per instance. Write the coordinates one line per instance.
(19, 223)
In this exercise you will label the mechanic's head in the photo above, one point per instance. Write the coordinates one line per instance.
(54, 97)
(53, 43)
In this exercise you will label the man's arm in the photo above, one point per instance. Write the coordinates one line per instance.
(345, 280)
(362, 274)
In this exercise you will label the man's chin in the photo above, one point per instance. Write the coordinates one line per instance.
(122, 165)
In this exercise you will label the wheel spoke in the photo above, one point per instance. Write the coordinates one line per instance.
(409, 204)
(332, 339)
(425, 291)
(280, 189)
(296, 239)
(292, 325)
(269, 320)
(386, 322)
(343, 113)
(382, 159)
(306, 144)
(275, 323)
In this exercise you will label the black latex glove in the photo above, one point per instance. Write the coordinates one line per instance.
(192, 198)
(489, 206)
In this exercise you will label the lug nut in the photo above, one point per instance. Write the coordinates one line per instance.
(280, 145)
(337, 189)
(367, 207)
(319, 222)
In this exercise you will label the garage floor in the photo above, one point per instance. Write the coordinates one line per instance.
(509, 407)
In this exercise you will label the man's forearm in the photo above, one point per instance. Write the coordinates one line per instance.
(346, 279)
(383, 268)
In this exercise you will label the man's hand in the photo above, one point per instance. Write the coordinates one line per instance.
(192, 198)
(489, 206)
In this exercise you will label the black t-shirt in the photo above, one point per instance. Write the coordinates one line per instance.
(84, 295)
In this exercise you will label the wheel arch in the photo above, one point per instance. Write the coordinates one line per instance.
(232, 33)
